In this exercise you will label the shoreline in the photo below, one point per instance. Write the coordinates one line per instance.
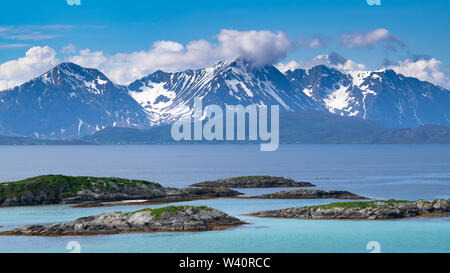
(427, 215)
(165, 219)
(362, 210)
(106, 233)
(146, 202)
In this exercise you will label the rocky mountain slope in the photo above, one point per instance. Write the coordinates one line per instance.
(70, 101)
(167, 96)
(66, 102)
(383, 96)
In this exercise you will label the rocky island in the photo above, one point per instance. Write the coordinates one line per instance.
(166, 219)
(254, 182)
(309, 194)
(60, 189)
(368, 210)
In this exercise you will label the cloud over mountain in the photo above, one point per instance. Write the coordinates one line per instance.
(332, 60)
(424, 68)
(368, 39)
(259, 47)
(37, 60)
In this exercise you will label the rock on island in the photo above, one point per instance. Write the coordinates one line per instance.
(254, 182)
(364, 210)
(166, 219)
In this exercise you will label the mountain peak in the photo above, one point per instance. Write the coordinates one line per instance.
(68, 65)
(68, 101)
(75, 75)
(65, 67)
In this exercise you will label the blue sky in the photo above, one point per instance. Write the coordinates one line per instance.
(415, 29)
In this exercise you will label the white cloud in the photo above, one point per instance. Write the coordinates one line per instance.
(422, 68)
(350, 65)
(260, 47)
(35, 35)
(368, 39)
(74, 2)
(313, 43)
(37, 60)
(69, 49)
(33, 32)
(290, 66)
(10, 46)
(332, 60)
(425, 69)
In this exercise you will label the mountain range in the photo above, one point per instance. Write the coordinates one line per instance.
(70, 101)
(383, 96)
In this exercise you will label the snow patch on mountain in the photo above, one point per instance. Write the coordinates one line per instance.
(358, 77)
(153, 96)
(226, 83)
(68, 101)
(308, 91)
(338, 99)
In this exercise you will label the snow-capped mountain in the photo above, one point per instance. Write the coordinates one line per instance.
(68, 101)
(167, 96)
(383, 96)
(71, 101)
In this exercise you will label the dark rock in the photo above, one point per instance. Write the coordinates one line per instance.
(390, 209)
(254, 182)
(309, 194)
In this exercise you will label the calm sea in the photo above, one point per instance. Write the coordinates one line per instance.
(408, 172)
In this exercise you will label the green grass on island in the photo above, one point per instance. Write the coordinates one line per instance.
(172, 210)
(247, 177)
(61, 184)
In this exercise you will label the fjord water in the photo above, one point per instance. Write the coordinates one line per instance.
(408, 172)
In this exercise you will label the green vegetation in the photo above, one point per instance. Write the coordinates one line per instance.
(240, 178)
(358, 204)
(172, 210)
(61, 185)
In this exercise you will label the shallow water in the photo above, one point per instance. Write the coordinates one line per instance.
(379, 171)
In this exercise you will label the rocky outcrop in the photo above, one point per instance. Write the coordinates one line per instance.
(213, 192)
(373, 210)
(172, 195)
(59, 189)
(254, 182)
(309, 194)
(167, 219)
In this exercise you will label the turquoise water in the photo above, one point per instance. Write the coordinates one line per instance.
(378, 171)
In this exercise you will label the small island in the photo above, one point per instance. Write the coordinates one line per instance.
(365, 210)
(166, 219)
(309, 194)
(61, 189)
(254, 182)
